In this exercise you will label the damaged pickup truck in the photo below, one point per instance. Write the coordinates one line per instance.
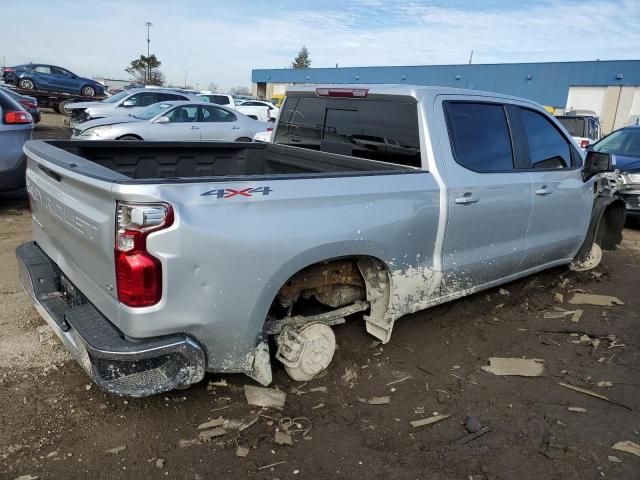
(157, 262)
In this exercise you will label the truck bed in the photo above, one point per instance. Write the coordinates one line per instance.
(144, 162)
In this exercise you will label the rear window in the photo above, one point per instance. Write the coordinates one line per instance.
(575, 126)
(373, 129)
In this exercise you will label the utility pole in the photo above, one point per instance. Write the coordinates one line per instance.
(471, 57)
(185, 78)
(148, 25)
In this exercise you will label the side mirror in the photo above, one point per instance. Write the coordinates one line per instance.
(597, 162)
(129, 103)
(162, 119)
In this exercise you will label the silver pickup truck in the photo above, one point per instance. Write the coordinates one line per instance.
(157, 262)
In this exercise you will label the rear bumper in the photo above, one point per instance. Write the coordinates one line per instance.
(118, 365)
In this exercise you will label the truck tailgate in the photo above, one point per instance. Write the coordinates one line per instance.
(73, 222)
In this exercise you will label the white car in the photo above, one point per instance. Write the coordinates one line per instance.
(218, 98)
(123, 104)
(175, 121)
(259, 109)
(585, 129)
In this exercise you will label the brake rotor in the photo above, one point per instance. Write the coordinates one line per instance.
(592, 260)
(319, 345)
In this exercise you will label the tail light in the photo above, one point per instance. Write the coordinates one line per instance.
(13, 118)
(138, 273)
(27, 104)
(584, 143)
(343, 92)
(8, 69)
(269, 129)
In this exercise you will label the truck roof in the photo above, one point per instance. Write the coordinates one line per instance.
(415, 91)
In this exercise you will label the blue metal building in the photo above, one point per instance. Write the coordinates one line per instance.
(546, 83)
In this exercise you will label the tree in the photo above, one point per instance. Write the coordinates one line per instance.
(146, 70)
(302, 60)
(240, 90)
(213, 87)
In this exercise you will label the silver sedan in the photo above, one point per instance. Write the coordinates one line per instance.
(175, 121)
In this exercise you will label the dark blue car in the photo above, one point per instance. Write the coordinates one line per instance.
(625, 145)
(36, 76)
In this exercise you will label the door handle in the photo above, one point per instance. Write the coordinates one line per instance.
(467, 199)
(544, 190)
(193, 127)
(235, 127)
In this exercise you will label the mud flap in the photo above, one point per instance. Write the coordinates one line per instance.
(378, 285)
(261, 371)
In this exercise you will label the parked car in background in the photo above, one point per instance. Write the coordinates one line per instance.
(16, 126)
(175, 121)
(36, 76)
(219, 99)
(29, 103)
(127, 102)
(625, 145)
(585, 129)
(259, 109)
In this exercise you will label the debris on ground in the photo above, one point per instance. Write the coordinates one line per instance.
(472, 424)
(592, 299)
(473, 436)
(503, 292)
(248, 424)
(379, 400)
(577, 409)
(628, 446)
(160, 462)
(282, 438)
(593, 394)
(613, 459)
(264, 397)
(522, 367)
(207, 435)
(558, 297)
(182, 443)
(577, 315)
(45, 334)
(350, 376)
(271, 465)
(27, 477)
(318, 390)
(216, 422)
(400, 380)
(14, 212)
(117, 450)
(605, 383)
(428, 421)
(242, 451)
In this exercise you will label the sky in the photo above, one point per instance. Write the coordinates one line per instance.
(221, 42)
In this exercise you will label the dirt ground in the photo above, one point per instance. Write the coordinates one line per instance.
(54, 424)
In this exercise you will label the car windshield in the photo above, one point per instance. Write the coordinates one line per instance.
(117, 97)
(621, 142)
(574, 125)
(151, 111)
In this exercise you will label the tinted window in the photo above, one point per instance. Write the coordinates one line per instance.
(61, 71)
(183, 114)
(385, 131)
(213, 114)
(548, 148)
(168, 97)
(574, 125)
(219, 100)
(480, 136)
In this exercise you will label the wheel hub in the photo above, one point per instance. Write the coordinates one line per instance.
(307, 351)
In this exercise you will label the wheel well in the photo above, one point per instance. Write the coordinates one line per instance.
(609, 230)
(243, 139)
(129, 135)
(336, 283)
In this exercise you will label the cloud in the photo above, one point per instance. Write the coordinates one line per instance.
(222, 43)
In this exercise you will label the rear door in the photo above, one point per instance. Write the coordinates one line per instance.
(42, 76)
(562, 202)
(219, 124)
(64, 80)
(488, 198)
(183, 125)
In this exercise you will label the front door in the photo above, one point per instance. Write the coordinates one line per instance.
(219, 124)
(182, 126)
(562, 202)
(488, 199)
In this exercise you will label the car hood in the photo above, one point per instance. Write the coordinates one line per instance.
(106, 121)
(626, 163)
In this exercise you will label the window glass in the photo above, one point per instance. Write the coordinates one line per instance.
(151, 111)
(213, 114)
(480, 136)
(574, 125)
(116, 98)
(61, 71)
(219, 99)
(168, 97)
(621, 142)
(143, 99)
(184, 114)
(42, 69)
(548, 148)
(385, 131)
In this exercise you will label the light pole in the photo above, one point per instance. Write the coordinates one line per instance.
(148, 25)
(185, 78)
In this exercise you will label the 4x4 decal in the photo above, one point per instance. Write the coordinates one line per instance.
(225, 193)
